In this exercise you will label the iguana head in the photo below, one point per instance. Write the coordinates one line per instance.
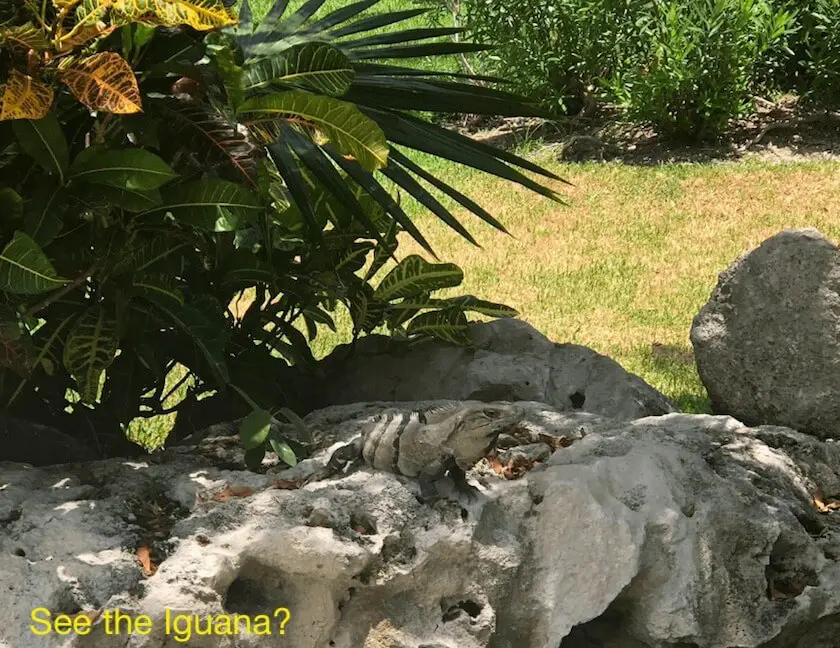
(479, 428)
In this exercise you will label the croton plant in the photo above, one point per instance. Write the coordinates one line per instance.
(188, 194)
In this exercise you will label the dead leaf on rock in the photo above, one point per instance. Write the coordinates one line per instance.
(144, 557)
(232, 491)
(825, 504)
(518, 466)
(514, 468)
(495, 463)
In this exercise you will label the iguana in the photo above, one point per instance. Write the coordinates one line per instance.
(426, 444)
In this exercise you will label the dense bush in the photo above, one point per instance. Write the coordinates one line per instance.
(811, 66)
(698, 63)
(162, 161)
(552, 50)
(685, 66)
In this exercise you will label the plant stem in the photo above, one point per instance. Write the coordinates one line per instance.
(58, 294)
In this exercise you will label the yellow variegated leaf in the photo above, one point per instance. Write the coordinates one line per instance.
(24, 37)
(198, 14)
(89, 15)
(24, 98)
(83, 34)
(65, 5)
(91, 11)
(104, 82)
(89, 350)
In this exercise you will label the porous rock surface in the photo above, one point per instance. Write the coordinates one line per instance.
(510, 360)
(671, 531)
(767, 343)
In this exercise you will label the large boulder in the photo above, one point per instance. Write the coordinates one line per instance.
(510, 360)
(664, 532)
(767, 343)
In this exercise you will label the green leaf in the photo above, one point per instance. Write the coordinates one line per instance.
(89, 350)
(449, 325)
(133, 169)
(160, 254)
(131, 200)
(255, 428)
(44, 141)
(417, 51)
(475, 305)
(209, 136)
(351, 132)
(367, 181)
(405, 130)
(207, 335)
(461, 199)
(352, 201)
(402, 36)
(43, 219)
(384, 250)
(25, 269)
(403, 179)
(211, 205)
(296, 350)
(365, 310)
(142, 35)
(283, 450)
(246, 18)
(314, 65)
(244, 269)
(161, 286)
(11, 204)
(403, 311)
(319, 316)
(378, 21)
(231, 74)
(414, 276)
(304, 432)
(296, 180)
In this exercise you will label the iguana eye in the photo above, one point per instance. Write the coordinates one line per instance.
(492, 414)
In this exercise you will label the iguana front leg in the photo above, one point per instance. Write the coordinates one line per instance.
(348, 454)
(445, 470)
(459, 478)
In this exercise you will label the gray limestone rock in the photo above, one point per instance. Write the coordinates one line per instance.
(767, 343)
(511, 360)
(663, 532)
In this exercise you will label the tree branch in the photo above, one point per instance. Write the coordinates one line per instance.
(58, 294)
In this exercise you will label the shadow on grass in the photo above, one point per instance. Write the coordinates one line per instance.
(671, 369)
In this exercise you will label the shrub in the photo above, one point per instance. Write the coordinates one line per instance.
(159, 161)
(813, 63)
(551, 50)
(697, 64)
